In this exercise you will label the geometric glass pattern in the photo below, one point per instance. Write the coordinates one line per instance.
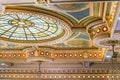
(28, 27)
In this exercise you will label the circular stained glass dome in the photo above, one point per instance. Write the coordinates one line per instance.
(25, 27)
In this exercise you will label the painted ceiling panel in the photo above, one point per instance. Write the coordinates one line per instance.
(77, 39)
(71, 7)
(80, 14)
(83, 36)
(76, 10)
(78, 43)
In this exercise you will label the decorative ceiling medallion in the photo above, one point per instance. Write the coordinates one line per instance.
(22, 27)
(79, 43)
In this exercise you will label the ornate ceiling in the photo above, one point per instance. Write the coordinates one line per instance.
(67, 36)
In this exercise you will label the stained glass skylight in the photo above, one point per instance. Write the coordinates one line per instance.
(28, 27)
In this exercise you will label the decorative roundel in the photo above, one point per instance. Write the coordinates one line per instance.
(25, 27)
